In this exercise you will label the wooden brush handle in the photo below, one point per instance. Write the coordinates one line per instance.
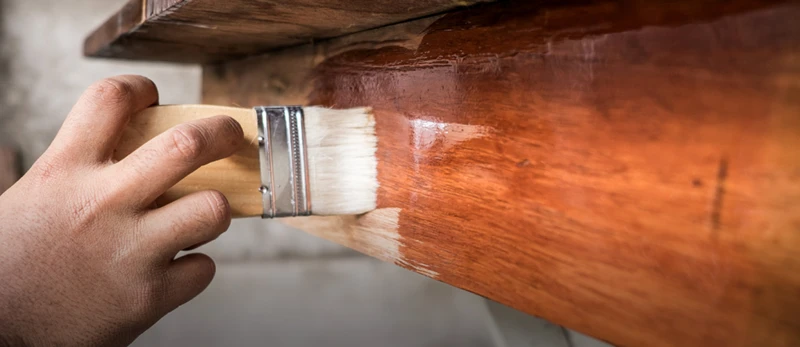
(238, 176)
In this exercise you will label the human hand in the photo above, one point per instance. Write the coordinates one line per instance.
(86, 257)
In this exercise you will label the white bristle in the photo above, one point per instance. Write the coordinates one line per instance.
(343, 172)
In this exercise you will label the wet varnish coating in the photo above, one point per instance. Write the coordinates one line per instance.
(629, 169)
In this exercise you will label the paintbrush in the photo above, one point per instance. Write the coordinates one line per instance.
(297, 161)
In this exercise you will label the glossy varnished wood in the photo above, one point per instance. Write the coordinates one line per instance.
(629, 169)
(202, 31)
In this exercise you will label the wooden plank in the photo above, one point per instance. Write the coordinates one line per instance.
(127, 19)
(202, 31)
(628, 169)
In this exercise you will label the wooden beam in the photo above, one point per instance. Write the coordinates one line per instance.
(202, 31)
(128, 19)
(628, 169)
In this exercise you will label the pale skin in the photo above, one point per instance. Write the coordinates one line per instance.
(87, 255)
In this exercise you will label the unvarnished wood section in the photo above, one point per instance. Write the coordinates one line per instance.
(628, 169)
(238, 176)
(202, 31)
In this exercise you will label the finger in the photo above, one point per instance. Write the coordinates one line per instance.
(94, 126)
(187, 277)
(192, 220)
(162, 162)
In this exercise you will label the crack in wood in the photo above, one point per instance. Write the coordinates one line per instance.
(719, 195)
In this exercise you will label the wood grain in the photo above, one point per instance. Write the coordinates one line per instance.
(238, 176)
(202, 31)
(628, 169)
(116, 29)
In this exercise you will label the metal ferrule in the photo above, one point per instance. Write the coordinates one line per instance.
(284, 163)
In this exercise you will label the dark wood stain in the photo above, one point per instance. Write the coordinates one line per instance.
(697, 182)
(548, 155)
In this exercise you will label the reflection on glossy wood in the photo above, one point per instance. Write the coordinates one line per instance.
(202, 31)
(628, 169)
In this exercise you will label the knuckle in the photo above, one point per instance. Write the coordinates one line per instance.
(88, 208)
(188, 142)
(219, 208)
(113, 91)
(83, 209)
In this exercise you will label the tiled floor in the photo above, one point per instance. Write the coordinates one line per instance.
(275, 286)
